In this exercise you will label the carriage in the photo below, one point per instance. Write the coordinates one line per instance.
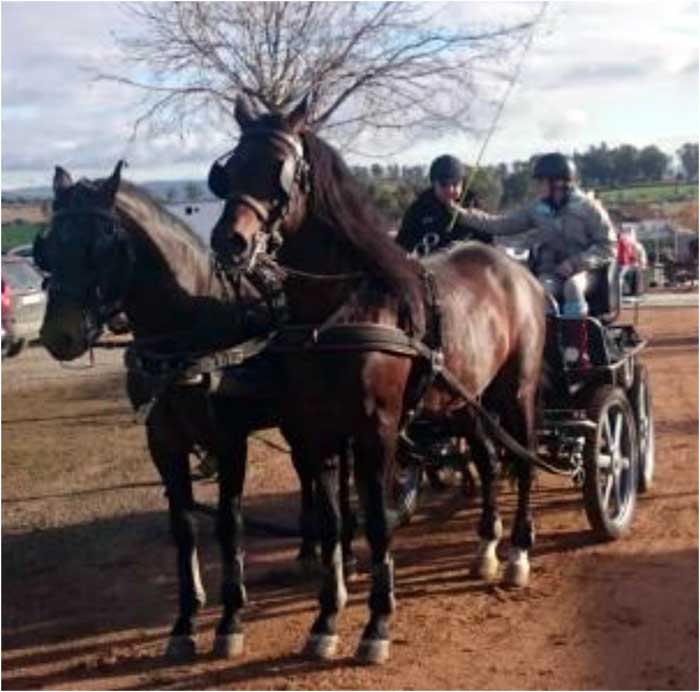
(596, 425)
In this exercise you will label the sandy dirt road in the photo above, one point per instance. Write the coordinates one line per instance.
(89, 592)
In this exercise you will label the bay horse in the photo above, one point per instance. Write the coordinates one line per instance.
(481, 314)
(111, 247)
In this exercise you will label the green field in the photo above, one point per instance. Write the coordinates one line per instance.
(14, 234)
(649, 194)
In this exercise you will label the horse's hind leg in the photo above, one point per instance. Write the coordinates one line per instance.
(490, 529)
(349, 522)
(308, 551)
(229, 528)
(173, 462)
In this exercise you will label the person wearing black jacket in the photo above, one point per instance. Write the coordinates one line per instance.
(426, 222)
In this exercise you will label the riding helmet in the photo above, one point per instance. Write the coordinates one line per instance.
(446, 169)
(554, 166)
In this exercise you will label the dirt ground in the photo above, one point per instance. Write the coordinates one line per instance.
(88, 581)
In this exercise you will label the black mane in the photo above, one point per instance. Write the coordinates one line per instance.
(341, 204)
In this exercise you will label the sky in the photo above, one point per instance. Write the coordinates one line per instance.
(623, 72)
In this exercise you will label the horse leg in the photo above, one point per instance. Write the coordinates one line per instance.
(374, 456)
(323, 638)
(229, 528)
(348, 519)
(174, 464)
(490, 529)
(520, 423)
(308, 551)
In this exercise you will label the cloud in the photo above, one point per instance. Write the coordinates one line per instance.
(595, 71)
(558, 126)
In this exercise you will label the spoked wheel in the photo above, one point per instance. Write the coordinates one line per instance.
(610, 463)
(642, 403)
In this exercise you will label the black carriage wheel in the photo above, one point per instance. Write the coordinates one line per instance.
(405, 489)
(610, 463)
(641, 400)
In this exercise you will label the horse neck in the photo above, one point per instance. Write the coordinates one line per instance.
(314, 249)
(172, 285)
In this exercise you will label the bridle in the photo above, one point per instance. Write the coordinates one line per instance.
(294, 179)
(99, 303)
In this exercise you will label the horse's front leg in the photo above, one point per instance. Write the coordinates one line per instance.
(375, 452)
(173, 462)
(323, 639)
(228, 642)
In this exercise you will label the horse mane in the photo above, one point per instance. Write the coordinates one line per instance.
(142, 209)
(340, 203)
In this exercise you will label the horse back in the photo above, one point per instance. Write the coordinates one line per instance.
(492, 313)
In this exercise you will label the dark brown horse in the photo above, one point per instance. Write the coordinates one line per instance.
(284, 180)
(111, 247)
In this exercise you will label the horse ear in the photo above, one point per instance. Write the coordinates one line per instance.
(109, 188)
(61, 180)
(244, 114)
(297, 118)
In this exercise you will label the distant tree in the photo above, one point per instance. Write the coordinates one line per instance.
(516, 185)
(377, 171)
(595, 166)
(487, 187)
(170, 195)
(688, 154)
(653, 163)
(361, 173)
(625, 163)
(392, 171)
(193, 192)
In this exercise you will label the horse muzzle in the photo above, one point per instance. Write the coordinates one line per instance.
(68, 331)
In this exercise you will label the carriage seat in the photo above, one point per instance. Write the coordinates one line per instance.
(605, 296)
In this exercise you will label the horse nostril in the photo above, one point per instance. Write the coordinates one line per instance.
(238, 245)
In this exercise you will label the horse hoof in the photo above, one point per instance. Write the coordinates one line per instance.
(517, 572)
(321, 646)
(485, 569)
(228, 645)
(373, 651)
(180, 648)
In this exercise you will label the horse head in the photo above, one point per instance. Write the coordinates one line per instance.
(87, 255)
(264, 181)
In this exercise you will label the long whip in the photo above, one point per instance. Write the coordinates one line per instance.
(497, 116)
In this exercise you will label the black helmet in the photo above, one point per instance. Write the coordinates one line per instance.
(446, 169)
(554, 166)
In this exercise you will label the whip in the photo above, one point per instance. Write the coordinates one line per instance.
(511, 83)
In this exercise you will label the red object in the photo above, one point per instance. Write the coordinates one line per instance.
(626, 251)
(5, 297)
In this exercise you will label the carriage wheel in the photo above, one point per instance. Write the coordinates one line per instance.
(405, 488)
(642, 403)
(610, 456)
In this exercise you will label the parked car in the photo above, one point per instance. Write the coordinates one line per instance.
(24, 251)
(26, 302)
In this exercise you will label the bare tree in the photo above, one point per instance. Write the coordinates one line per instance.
(378, 66)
